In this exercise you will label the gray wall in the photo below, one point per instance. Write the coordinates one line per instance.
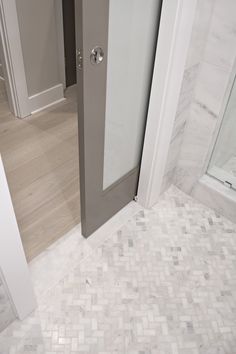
(37, 22)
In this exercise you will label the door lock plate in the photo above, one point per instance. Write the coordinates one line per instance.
(97, 55)
(79, 59)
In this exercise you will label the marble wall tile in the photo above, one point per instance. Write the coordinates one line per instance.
(220, 49)
(196, 142)
(211, 87)
(179, 125)
(201, 26)
(215, 70)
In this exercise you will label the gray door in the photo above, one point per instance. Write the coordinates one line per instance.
(116, 42)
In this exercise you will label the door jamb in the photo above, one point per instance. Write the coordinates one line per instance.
(13, 59)
(175, 31)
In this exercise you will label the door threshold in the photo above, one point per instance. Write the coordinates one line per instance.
(70, 250)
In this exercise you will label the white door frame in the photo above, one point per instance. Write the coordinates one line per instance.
(13, 59)
(173, 42)
(60, 41)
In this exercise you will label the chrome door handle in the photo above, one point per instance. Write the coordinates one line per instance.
(97, 55)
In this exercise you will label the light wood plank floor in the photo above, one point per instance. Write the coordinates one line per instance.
(40, 155)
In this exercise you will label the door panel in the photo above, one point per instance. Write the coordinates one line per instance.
(113, 99)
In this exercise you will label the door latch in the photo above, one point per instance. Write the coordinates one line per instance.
(97, 55)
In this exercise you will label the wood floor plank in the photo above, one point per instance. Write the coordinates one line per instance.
(41, 165)
(42, 234)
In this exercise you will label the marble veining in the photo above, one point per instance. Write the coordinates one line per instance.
(162, 283)
(195, 53)
(215, 70)
(187, 91)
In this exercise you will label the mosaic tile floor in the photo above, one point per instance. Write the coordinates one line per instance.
(165, 283)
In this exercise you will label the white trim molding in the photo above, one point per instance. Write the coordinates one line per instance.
(13, 264)
(173, 42)
(60, 41)
(13, 59)
(46, 98)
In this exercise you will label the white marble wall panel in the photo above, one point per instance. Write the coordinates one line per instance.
(186, 97)
(200, 127)
(201, 27)
(210, 87)
(196, 50)
(220, 49)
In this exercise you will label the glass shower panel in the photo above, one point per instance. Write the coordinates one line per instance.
(223, 161)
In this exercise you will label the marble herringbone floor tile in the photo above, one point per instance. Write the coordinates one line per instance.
(165, 283)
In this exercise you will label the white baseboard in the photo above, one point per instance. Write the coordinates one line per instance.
(46, 98)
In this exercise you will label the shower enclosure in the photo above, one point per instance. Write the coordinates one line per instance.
(222, 164)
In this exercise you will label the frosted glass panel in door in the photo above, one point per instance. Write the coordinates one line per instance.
(133, 26)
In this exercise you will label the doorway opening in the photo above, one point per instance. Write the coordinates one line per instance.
(40, 156)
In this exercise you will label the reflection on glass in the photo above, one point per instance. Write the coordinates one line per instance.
(223, 162)
(131, 46)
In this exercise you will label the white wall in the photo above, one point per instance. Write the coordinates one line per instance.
(7, 314)
(13, 266)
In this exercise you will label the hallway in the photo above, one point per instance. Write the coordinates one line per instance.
(40, 155)
(162, 284)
